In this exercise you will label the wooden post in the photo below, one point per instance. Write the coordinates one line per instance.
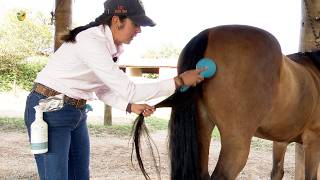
(63, 20)
(307, 43)
(107, 115)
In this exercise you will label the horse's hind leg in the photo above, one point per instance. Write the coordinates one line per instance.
(235, 147)
(311, 146)
(279, 150)
(205, 127)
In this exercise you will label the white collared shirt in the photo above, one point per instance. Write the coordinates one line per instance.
(80, 69)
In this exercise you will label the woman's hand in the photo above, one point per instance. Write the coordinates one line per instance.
(145, 109)
(189, 78)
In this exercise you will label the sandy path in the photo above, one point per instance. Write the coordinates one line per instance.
(110, 158)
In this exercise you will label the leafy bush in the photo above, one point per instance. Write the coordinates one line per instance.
(23, 74)
(150, 75)
(19, 40)
(30, 37)
(6, 81)
(28, 72)
(8, 70)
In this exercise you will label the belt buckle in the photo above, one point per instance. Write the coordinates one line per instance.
(79, 103)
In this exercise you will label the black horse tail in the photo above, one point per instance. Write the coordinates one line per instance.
(183, 140)
(139, 128)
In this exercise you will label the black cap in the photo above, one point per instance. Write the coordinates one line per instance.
(133, 9)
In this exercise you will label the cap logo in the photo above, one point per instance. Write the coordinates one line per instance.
(120, 10)
(141, 4)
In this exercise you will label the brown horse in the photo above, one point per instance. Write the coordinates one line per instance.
(256, 91)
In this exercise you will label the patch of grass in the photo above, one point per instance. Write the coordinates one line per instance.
(150, 75)
(122, 130)
(215, 134)
(256, 143)
(153, 123)
(156, 124)
(12, 124)
(261, 144)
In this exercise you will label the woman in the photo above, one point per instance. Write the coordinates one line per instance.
(83, 66)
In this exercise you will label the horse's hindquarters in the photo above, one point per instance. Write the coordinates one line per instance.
(256, 88)
(242, 91)
(247, 79)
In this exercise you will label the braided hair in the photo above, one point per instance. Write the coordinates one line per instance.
(104, 19)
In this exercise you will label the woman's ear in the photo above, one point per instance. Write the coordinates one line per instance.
(115, 22)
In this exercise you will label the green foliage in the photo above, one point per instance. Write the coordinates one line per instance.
(153, 123)
(150, 75)
(261, 144)
(22, 75)
(121, 130)
(12, 124)
(19, 40)
(6, 81)
(215, 134)
(164, 52)
(156, 123)
(30, 37)
(28, 72)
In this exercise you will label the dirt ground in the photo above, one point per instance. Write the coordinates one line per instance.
(110, 154)
(110, 159)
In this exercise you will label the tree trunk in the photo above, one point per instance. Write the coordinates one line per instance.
(63, 20)
(107, 115)
(307, 43)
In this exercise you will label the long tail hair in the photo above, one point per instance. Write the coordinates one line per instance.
(183, 141)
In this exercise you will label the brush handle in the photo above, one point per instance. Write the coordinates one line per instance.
(184, 88)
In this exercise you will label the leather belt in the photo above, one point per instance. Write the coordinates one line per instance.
(46, 91)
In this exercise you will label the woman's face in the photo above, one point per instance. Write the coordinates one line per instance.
(125, 31)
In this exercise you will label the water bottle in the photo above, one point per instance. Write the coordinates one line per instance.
(39, 133)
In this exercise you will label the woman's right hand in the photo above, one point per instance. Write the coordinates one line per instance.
(145, 109)
(190, 77)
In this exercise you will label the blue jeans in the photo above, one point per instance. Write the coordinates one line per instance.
(68, 142)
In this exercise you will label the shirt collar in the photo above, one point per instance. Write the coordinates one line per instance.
(116, 51)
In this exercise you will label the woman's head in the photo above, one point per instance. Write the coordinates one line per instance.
(124, 30)
(133, 9)
(124, 17)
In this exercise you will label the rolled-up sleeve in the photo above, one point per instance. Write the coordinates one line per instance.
(145, 92)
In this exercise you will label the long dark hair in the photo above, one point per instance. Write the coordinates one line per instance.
(183, 142)
(104, 19)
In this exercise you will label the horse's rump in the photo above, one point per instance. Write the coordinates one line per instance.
(248, 62)
(256, 91)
